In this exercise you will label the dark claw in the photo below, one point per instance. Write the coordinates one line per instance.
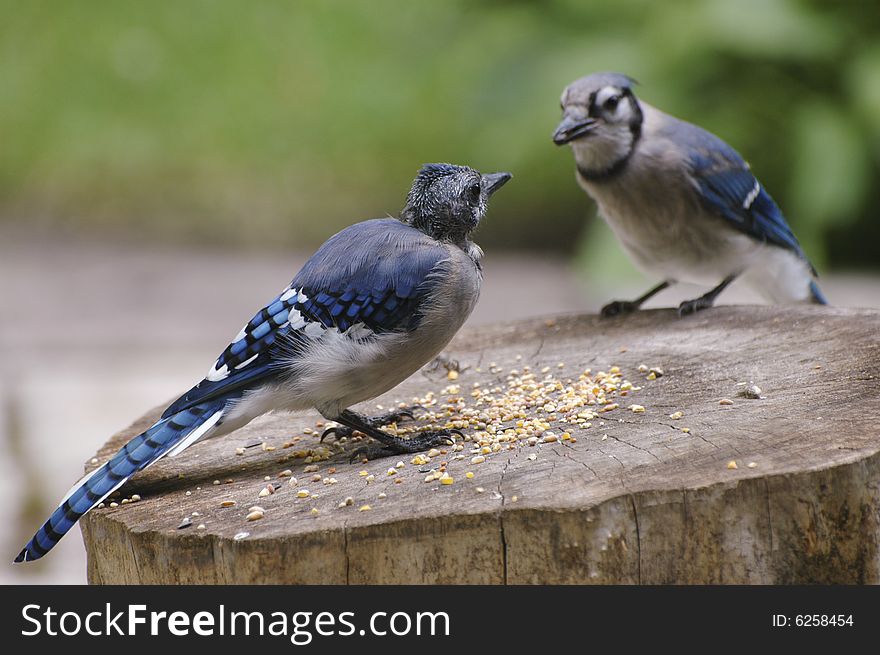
(374, 421)
(693, 306)
(418, 443)
(362, 453)
(339, 431)
(618, 307)
(706, 300)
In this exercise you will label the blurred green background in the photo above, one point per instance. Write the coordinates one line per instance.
(277, 123)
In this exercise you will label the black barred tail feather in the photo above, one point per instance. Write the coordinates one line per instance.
(168, 436)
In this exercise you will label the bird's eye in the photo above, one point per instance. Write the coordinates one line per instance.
(611, 103)
(474, 191)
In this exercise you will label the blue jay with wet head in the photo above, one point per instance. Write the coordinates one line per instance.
(683, 204)
(375, 303)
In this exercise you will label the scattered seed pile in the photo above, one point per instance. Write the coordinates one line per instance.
(517, 408)
(521, 407)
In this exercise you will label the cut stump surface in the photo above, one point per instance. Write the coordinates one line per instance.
(781, 489)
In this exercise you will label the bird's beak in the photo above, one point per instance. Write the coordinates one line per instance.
(572, 128)
(495, 181)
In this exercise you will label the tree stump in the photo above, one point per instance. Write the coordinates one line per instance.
(779, 489)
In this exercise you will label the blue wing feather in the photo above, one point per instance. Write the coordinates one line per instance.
(256, 373)
(258, 340)
(728, 189)
(374, 273)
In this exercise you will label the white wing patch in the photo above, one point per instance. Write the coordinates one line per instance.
(752, 195)
(296, 320)
(217, 374)
(241, 335)
(247, 361)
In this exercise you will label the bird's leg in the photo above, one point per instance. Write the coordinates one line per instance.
(706, 300)
(616, 307)
(392, 445)
(340, 431)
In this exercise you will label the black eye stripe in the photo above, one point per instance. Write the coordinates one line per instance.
(609, 104)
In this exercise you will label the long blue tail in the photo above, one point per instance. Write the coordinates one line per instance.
(816, 293)
(169, 435)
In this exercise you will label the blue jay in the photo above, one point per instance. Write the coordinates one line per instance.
(683, 204)
(376, 302)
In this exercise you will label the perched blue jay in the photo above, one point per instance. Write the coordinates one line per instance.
(683, 203)
(376, 302)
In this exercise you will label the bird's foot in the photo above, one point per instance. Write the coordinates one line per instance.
(707, 299)
(340, 431)
(445, 362)
(693, 306)
(619, 307)
(398, 446)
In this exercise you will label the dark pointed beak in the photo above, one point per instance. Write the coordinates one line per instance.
(495, 181)
(570, 129)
